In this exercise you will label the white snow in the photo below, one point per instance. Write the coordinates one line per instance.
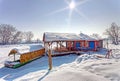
(66, 36)
(86, 37)
(87, 67)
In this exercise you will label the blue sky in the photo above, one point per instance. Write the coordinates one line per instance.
(41, 16)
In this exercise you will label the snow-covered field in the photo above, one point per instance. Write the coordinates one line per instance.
(87, 67)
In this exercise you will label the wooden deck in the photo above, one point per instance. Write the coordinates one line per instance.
(55, 54)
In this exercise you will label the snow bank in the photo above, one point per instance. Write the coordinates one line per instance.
(85, 57)
(73, 75)
(87, 68)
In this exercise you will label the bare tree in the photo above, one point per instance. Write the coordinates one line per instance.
(6, 33)
(17, 37)
(114, 33)
(9, 34)
(28, 36)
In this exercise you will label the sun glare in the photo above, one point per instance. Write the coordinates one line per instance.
(72, 5)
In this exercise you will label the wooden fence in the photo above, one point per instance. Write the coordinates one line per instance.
(31, 55)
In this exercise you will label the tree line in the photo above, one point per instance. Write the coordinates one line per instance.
(10, 35)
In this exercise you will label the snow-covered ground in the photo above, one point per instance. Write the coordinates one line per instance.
(87, 67)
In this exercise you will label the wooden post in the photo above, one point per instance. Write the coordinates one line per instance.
(57, 46)
(50, 59)
(95, 46)
(60, 46)
(14, 56)
(107, 44)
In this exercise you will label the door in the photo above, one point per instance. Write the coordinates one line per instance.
(77, 44)
(92, 44)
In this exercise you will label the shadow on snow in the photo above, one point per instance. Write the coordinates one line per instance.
(39, 64)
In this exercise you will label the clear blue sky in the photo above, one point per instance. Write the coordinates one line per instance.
(41, 16)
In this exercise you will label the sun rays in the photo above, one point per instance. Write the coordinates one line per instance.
(72, 7)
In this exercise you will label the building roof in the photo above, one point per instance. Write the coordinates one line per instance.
(48, 36)
(25, 49)
(86, 37)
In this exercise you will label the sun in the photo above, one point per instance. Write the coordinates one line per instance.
(72, 5)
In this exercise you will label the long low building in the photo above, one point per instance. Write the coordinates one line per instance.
(22, 56)
(66, 42)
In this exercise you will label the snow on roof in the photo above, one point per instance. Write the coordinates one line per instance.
(65, 36)
(85, 37)
(61, 36)
(29, 48)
